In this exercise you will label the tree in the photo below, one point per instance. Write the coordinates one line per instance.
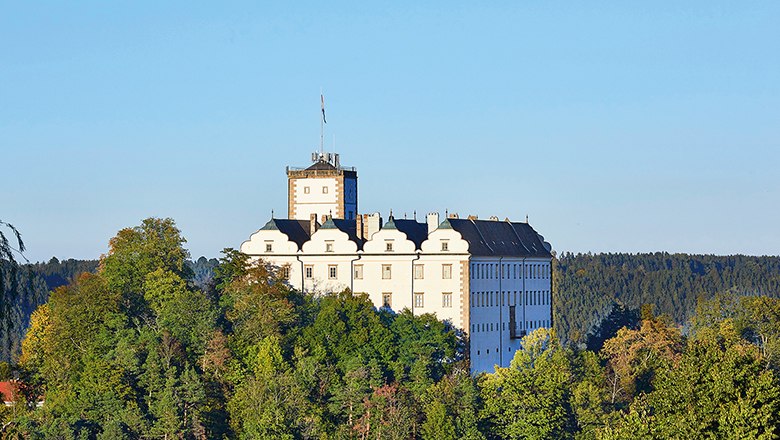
(634, 356)
(9, 285)
(136, 252)
(531, 399)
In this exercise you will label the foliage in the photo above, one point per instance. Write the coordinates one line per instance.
(588, 288)
(154, 346)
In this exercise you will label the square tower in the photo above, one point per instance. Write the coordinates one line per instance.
(324, 188)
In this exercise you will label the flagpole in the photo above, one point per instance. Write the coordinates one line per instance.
(322, 126)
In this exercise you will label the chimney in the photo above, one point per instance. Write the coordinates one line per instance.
(313, 226)
(433, 221)
(373, 224)
(453, 215)
(494, 218)
(359, 226)
(473, 217)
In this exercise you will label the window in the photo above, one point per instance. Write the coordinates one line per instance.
(309, 272)
(446, 271)
(306, 190)
(445, 246)
(324, 189)
(328, 246)
(286, 272)
(418, 300)
(387, 300)
(386, 272)
(332, 271)
(418, 271)
(358, 271)
(389, 246)
(268, 247)
(446, 299)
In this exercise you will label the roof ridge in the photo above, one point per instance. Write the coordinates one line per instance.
(519, 240)
(482, 236)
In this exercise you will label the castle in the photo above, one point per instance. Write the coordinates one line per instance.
(490, 278)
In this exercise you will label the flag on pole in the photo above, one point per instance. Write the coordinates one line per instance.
(322, 99)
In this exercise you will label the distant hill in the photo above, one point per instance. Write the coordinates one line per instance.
(602, 290)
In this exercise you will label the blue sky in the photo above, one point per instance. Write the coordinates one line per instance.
(617, 126)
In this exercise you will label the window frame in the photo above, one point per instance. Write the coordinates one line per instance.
(357, 272)
(446, 271)
(419, 300)
(387, 271)
(419, 272)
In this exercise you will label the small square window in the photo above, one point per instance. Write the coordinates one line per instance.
(446, 299)
(446, 271)
(358, 271)
(308, 272)
(419, 300)
(386, 272)
(268, 247)
(332, 272)
(324, 189)
(389, 246)
(445, 246)
(328, 247)
(418, 271)
(387, 300)
(306, 190)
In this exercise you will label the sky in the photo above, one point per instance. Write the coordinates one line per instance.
(614, 126)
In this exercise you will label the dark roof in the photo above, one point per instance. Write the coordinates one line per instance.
(321, 165)
(349, 227)
(499, 238)
(298, 230)
(415, 231)
(295, 230)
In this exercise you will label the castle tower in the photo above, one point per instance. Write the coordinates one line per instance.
(324, 188)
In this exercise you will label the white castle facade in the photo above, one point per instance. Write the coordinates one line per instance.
(490, 278)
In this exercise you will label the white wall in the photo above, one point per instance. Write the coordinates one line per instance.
(315, 202)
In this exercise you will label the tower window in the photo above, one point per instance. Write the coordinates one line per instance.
(268, 247)
(324, 189)
(306, 190)
(445, 246)
(389, 246)
(328, 246)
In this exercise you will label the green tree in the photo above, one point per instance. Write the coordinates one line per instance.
(531, 399)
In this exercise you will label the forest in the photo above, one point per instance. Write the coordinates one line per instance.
(148, 344)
